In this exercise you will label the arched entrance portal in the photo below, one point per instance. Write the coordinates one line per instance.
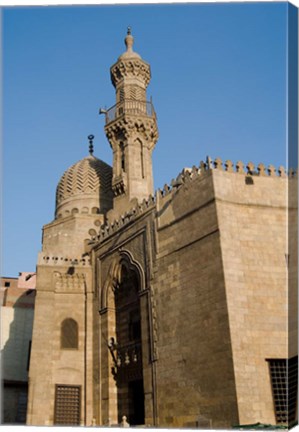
(128, 371)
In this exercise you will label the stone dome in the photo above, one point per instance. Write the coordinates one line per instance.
(85, 187)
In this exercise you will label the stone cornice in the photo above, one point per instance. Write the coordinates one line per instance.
(127, 126)
(130, 68)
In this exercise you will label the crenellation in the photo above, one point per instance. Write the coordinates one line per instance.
(250, 168)
(202, 166)
(281, 171)
(293, 173)
(195, 171)
(159, 193)
(271, 170)
(240, 167)
(166, 189)
(209, 163)
(188, 175)
(218, 164)
(261, 170)
(124, 219)
(229, 166)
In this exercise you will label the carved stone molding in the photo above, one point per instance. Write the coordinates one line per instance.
(130, 68)
(67, 283)
(127, 128)
(118, 186)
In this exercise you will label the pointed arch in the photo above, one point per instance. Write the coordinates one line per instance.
(127, 258)
(113, 278)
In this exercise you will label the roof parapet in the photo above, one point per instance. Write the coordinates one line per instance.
(188, 175)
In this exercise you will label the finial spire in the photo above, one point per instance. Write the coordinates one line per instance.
(129, 40)
(90, 138)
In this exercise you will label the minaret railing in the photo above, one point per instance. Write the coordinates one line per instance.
(130, 107)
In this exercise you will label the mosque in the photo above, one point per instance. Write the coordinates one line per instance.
(175, 308)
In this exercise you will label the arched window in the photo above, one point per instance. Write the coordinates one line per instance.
(69, 334)
(141, 156)
(122, 157)
(141, 159)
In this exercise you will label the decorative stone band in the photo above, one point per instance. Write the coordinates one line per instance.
(69, 283)
(187, 175)
(63, 261)
(126, 218)
(130, 68)
(126, 127)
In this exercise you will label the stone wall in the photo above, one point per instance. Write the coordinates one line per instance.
(195, 379)
(253, 222)
(62, 292)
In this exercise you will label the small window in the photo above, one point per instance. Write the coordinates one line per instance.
(122, 157)
(284, 380)
(7, 284)
(69, 334)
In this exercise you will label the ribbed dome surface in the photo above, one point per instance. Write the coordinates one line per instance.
(88, 177)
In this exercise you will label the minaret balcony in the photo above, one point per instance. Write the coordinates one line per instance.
(129, 107)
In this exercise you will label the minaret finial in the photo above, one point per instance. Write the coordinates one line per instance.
(129, 40)
(90, 138)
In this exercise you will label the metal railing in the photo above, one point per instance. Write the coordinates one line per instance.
(130, 107)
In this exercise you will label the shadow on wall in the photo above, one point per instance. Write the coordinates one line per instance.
(16, 330)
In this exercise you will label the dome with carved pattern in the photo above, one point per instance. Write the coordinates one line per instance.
(85, 187)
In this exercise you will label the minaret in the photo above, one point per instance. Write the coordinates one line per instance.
(131, 128)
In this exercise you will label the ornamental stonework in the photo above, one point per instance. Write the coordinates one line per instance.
(125, 128)
(86, 176)
(65, 283)
(129, 68)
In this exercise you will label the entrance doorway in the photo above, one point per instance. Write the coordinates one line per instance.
(129, 371)
(136, 398)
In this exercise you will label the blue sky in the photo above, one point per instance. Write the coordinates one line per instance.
(218, 87)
